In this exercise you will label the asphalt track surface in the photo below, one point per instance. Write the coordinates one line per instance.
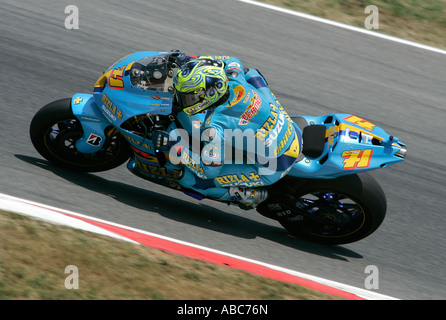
(313, 68)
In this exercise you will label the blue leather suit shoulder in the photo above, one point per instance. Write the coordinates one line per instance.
(252, 108)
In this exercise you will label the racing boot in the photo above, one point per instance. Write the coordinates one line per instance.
(248, 198)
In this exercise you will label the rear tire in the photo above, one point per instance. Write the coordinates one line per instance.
(335, 211)
(54, 131)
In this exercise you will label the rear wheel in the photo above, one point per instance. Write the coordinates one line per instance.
(54, 131)
(336, 211)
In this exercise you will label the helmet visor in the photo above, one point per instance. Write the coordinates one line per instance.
(189, 99)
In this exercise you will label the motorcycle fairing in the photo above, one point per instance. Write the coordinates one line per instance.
(120, 99)
(92, 120)
(348, 144)
(115, 100)
(95, 119)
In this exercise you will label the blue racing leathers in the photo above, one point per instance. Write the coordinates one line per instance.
(248, 140)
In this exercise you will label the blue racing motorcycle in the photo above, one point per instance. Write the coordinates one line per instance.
(325, 197)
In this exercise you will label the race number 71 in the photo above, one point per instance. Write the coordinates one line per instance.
(357, 159)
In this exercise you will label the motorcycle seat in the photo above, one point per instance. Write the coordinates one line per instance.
(313, 137)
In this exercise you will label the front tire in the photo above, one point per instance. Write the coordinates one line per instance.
(54, 131)
(335, 211)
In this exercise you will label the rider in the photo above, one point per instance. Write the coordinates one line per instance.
(247, 140)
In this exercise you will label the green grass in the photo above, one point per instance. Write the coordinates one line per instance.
(415, 20)
(34, 255)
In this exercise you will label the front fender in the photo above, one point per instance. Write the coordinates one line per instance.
(93, 123)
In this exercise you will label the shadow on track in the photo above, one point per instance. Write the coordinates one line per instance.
(200, 215)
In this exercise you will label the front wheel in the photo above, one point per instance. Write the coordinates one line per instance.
(54, 131)
(335, 211)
